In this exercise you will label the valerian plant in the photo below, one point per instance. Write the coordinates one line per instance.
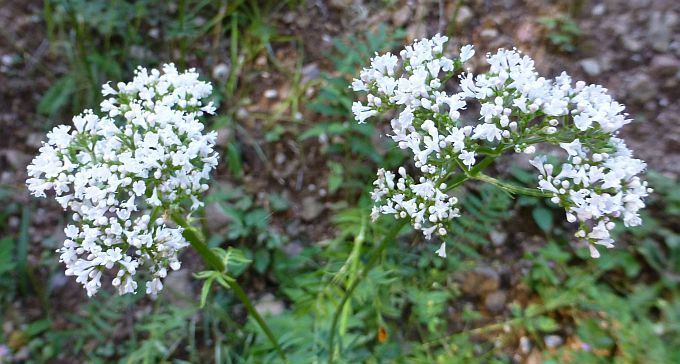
(598, 182)
(130, 179)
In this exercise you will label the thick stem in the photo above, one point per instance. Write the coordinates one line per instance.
(348, 294)
(215, 262)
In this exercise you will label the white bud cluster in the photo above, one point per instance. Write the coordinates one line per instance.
(517, 110)
(122, 173)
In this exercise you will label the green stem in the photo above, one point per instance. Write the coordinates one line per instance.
(481, 166)
(183, 36)
(457, 181)
(474, 171)
(214, 261)
(510, 187)
(367, 268)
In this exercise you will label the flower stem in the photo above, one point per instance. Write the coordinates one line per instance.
(474, 171)
(510, 187)
(213, 260)
(391, 235)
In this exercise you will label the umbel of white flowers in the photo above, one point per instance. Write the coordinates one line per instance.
(597, 183)
(122, 172)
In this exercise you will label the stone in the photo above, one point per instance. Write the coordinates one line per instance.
(464, 17)
(488, 33)
(303, 21)
(35, 140)
(631, 43)
(310, 72)
(480, 281)
(498, 238)
(660, 30)
(524, 344)
(289, 17)
(292, 249)
(223, 136)
(553, 341)
(416, 31)
(534, 357)
(294, 228)
(215, 217)
(271, 93)
(599, 9)
(269, 305)
(402, 16)
(16, 159)
(311, 208)
(664, 65)
(280, 158)
(641, 88)
(178, 287)
(341, 4)
(495, 301)
(220, 72)
(7, 59)
(57, 281)
(463, 14)
(591, 67)
(139, 52)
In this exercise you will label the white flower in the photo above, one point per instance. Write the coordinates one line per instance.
(582, 122)
(468, 158)
(358, 85)
(108, 90)
(362, 112)
(425, 189)
(466, 52)
(138, 187)
(487, 131)
(574, 148)
(385, 64)
(150, 137)
(442, 250)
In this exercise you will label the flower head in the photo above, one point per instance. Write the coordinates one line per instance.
(597, 184)
(119, 174)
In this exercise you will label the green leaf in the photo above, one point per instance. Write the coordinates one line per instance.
(57, 96)
(262, 260)
(543, 218)
(546, 324)
(335, 177)
(258, 218)
(234, 158)
(235, 260)
(205, 290)
(590, 332)
(277, 202)
(22, 249)
(37, 327)
(7, 262)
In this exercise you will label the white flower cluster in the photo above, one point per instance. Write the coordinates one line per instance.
(423, 202)
(415, 89)
(596, 186)
(122, 173)
(516, 109)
